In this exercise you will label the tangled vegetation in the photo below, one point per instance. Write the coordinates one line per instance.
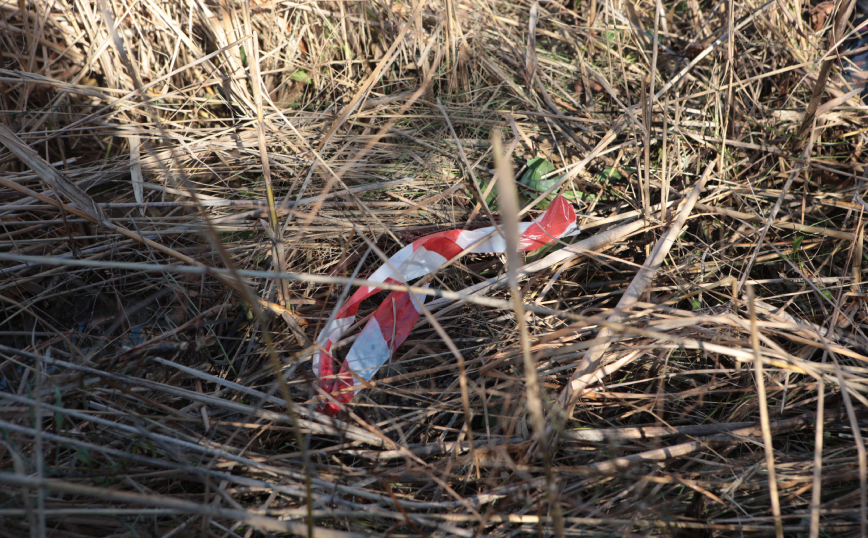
(188, 190)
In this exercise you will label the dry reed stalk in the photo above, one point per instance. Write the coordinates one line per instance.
(764, 415)
(817, 483)
(508, 198)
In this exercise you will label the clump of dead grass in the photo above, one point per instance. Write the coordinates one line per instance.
(147, 145)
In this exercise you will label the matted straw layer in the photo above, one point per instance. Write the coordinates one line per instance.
(189, 191)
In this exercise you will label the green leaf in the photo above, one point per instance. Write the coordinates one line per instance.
(797, 242)
(533, 176)
(243, 54)
(83, 455)
(578, 195)
(533, 179)
(491, 199)
(609, 173)
(301, 76)
(58, 416)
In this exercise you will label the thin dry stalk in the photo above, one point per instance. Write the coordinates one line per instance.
(508, 198)
(817, 484)
(764, 415)
(860, 449)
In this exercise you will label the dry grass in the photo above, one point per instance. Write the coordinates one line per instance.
(176, 399)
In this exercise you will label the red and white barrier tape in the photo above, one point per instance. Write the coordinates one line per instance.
(394, 319)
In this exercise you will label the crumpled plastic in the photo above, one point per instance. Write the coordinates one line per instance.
(391, 323)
